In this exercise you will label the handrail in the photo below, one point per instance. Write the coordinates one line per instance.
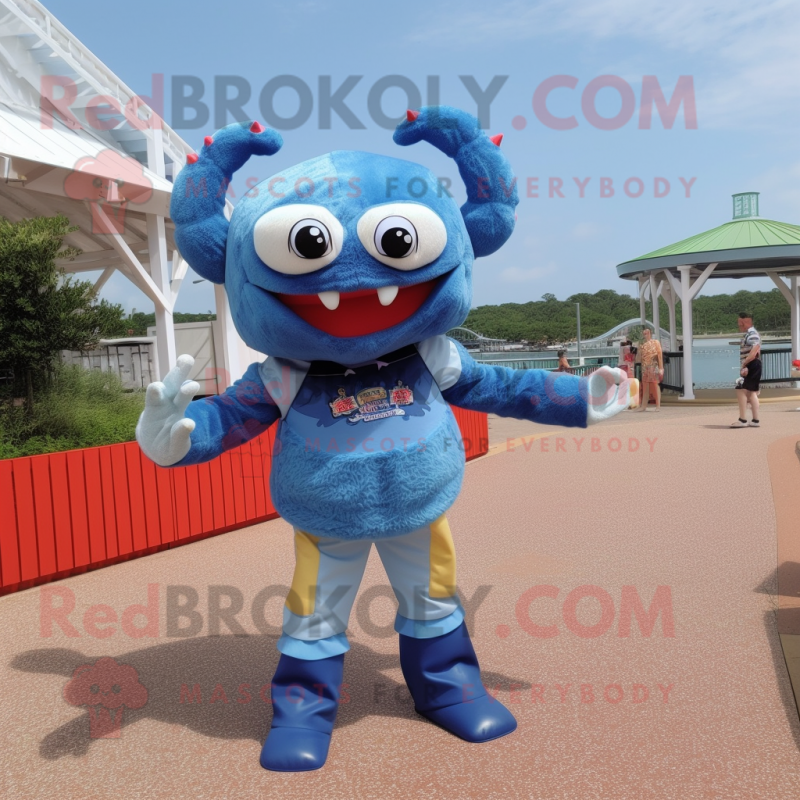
(776, 365)
(581, 370)
(551, 364)
(673, 371)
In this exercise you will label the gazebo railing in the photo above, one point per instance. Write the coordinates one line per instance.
(776, 365)
(673, 371)
(776, 368)
(551, 364)
(581, 371)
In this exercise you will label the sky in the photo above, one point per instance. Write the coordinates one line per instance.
(736, 62)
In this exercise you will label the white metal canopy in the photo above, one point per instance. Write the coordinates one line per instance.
(114, 184)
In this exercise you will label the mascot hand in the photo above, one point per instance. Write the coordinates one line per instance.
(163, 430)
(607, 393)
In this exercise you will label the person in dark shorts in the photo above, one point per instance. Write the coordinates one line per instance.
(749, 383)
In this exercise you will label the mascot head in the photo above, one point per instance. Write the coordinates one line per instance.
(349, 255)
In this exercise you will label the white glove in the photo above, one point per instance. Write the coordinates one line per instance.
(163, 430)
(608, 394)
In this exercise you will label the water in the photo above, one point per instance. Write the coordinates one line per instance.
(715, 361)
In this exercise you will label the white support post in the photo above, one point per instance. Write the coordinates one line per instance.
(130, 265)
(642, 288)
(701, 279)
(101, 281)
(795, 321)
(674, 284)
(689, 291)
(686, 309)
(669, 296)
(179, 267)
(159, 268)
(165, 328)
(795, 290)
(231, 365)
(656, 310)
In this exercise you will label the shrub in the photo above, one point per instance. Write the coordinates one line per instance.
(77, 408)
(42, 309)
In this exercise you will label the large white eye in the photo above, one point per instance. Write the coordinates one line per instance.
(405, 236)
(309, 238)
(298, 239)
(395, 237)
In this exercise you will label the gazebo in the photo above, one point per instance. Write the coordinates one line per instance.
(746, 247)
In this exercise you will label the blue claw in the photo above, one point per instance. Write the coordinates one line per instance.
(198, 197)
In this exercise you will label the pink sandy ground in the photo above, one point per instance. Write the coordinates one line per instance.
(691, 509)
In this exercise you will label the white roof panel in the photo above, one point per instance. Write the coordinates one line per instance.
(24, 135)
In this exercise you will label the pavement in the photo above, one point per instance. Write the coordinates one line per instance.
(621, 586)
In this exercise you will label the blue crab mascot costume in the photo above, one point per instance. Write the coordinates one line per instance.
(348, 270)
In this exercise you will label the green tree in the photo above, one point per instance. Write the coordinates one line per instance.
(551, 320)
(140, 322)
(43, 310)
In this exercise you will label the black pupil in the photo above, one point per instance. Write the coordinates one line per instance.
(310, 242)
(397, 242)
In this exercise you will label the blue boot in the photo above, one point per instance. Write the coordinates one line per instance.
(305, 699)
(445, 681)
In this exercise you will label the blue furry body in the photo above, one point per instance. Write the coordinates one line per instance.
(367, 495)
(369, 489)
(382, 476)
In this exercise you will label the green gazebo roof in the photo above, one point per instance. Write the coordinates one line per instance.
(747, 245)
(732, 236)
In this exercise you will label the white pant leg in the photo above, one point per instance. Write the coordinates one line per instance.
(327, 575)
(421, 566)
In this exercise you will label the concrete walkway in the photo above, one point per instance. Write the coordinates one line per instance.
(566, 540)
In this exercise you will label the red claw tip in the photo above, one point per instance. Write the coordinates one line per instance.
(208, 141)
(257, 127)
(191, 158)
(496, 139)
(411, 115)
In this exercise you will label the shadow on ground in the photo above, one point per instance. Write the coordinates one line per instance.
(786, 573)
(233, 673)
(782, 676)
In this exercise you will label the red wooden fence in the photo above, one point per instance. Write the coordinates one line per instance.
(65, 513)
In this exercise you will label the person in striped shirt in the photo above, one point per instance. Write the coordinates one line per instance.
(747, 387)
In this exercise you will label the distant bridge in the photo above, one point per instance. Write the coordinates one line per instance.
(635, 322)
(466, 336)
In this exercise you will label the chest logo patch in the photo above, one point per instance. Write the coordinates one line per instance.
(373, 403)
(344, 404)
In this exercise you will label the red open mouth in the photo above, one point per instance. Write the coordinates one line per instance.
(359, 313)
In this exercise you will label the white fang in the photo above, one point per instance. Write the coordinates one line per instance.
(387, 294)
(329, 299)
